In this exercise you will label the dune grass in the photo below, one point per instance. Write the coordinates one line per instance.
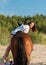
(37, 38)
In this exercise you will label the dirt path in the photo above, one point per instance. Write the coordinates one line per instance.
(2, 50)
(38, 55)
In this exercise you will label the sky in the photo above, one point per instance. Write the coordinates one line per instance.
(22, 7)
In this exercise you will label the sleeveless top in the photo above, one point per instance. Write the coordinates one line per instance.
(23, 28)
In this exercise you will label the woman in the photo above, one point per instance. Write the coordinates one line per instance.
(24, 28)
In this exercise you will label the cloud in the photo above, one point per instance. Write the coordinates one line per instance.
(3, 1)
(10, 13)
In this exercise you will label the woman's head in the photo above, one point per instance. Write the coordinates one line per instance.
(32, 26)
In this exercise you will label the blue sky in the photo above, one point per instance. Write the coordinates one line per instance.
(22, 7)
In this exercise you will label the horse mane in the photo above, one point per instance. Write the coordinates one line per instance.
(21, 58)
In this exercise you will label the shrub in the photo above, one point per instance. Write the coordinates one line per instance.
(37, 38)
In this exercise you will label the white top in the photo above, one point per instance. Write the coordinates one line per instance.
(23, 28)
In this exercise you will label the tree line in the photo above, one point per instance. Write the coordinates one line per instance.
(10, 23)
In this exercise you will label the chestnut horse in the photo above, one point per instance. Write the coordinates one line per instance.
(21, 48)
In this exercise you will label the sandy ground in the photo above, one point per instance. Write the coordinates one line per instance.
(2, 50)
(38, 56)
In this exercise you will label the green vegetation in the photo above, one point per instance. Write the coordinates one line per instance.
(38, 38)
(10, 56)
(7, 24)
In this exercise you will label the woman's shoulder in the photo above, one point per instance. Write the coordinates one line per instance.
(24, 26)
